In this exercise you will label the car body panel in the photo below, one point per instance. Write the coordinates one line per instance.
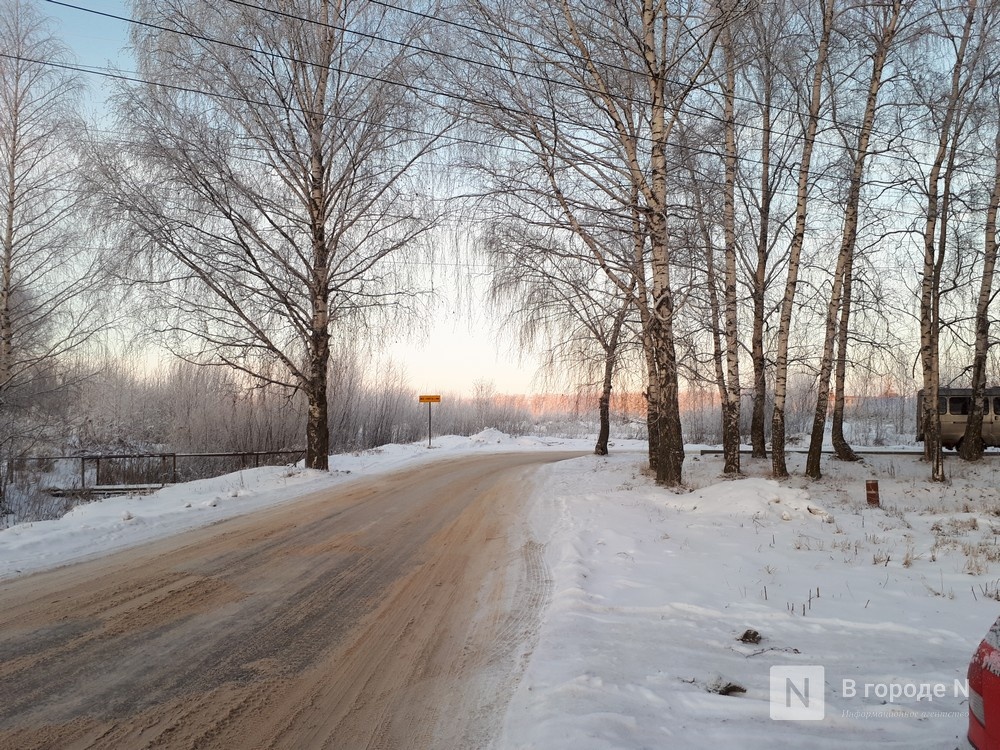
(984, 692)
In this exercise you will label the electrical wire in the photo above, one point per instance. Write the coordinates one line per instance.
(465, 98)
(545, 79)
(134, 78)
(458, 140)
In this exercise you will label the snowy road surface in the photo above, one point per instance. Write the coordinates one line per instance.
(389, 612)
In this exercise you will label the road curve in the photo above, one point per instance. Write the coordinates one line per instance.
(392, 612)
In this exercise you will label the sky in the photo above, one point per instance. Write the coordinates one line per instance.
(94, 40)
(458, 348)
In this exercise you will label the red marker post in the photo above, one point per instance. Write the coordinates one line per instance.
(871, 492)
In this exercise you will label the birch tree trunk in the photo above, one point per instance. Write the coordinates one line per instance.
(610, 363)
(972, 443)
(732, 394)
(670, 457)
(778, 465)
(840, 445)
(652, 392)
(768, 50)
(702, 212)
(845, 258)
(934, 238)
(759, 287)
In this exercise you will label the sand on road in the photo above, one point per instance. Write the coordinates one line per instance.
(394, 612)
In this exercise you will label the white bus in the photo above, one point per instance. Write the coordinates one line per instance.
(954, 405)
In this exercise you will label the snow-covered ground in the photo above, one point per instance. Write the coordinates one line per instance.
(652, 590)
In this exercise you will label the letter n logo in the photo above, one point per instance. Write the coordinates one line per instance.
(797, 693)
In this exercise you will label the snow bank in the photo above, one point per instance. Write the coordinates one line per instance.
(103, 526)
(641, 645)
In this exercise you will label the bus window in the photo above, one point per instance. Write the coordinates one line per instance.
(996, 405)
(986, 406)
(959, 405)
(942, 405)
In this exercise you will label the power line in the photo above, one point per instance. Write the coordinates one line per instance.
(117, 75)
(463, 98)
(343, 29)
(133, 78)
(545, 79)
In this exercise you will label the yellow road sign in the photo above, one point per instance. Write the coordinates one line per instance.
(430, 399)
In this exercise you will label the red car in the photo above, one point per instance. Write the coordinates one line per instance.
(984, 693)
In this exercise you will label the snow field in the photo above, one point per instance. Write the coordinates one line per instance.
(653, 590)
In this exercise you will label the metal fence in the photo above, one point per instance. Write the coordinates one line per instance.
(87, 472)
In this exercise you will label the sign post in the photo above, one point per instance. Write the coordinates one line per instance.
(429, 399)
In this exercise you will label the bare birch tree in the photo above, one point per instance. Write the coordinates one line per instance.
(44, 264)
(732, 394)
(707, 231)
(763, 178)
(710, 231)
(971, 448)
(559, 295)
(272, 180)
(814, 103)
(882, 24)
(946, 113)
(48, 313)
(594, 97)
